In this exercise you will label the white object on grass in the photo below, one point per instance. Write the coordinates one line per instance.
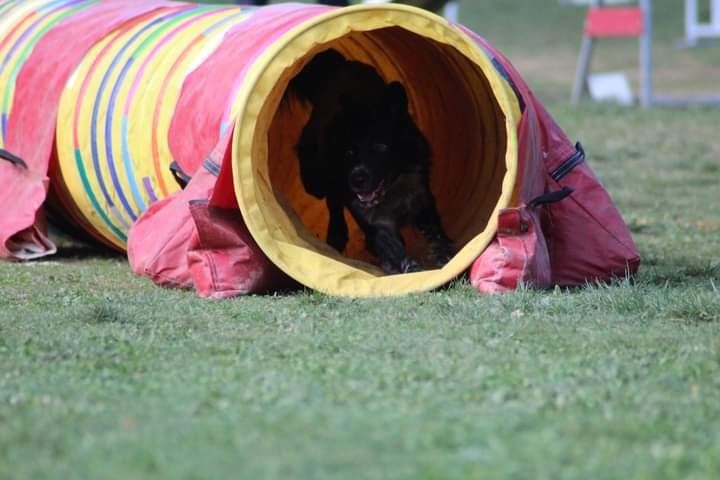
(610, 86)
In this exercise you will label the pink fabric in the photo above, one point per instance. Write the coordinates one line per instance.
(184, 241)
(517, 255)
(158, 240)
(223, 258)
(205, 96)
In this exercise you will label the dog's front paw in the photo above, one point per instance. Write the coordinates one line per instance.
(389, 268)
(441, 253)
(441, 259)
(408, 265)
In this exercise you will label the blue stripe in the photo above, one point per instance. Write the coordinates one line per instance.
(52, 4)
(149, 189)
(95, 113)
(3, 124)
(88, 189)
(108, 147)
(127, 161)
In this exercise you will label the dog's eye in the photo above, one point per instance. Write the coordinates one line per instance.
(349, 153)
(380, 147)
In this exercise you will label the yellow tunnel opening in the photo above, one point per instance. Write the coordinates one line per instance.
(464, 108)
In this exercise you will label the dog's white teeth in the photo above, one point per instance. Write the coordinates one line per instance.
(372, 196)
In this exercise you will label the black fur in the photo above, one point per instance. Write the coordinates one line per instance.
(361, 150)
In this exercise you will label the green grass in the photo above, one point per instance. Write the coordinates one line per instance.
(103, 375)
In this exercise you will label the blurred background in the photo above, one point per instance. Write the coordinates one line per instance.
(542, 39)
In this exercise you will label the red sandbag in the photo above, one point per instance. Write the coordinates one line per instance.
(587, 239)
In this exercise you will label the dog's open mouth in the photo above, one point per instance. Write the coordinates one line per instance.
(370, 199)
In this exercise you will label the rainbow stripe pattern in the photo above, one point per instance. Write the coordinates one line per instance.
(116, 110)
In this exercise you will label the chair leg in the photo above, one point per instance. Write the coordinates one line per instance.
(580, 85)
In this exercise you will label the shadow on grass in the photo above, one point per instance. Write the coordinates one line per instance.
(74, 244)
(80, 251)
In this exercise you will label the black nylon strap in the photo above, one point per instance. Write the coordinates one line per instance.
(211, 166)
(575, 159)
(504, 73)
(551, 197)
(14, 159)
(181, 177)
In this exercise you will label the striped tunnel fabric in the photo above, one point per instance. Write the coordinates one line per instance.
(116, 111)
(25, 22)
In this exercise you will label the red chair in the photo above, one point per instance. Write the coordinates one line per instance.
(616, 22)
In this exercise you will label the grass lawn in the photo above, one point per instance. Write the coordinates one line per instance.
(103, 375)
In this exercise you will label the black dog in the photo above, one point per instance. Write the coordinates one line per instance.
(361, 149)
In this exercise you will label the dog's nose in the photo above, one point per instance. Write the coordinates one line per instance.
(360, 178)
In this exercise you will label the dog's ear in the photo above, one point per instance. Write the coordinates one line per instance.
(396, 98)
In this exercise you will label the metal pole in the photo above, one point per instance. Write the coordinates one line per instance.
(691, 19)
(646, 60)
(584, 58)
(583, 69)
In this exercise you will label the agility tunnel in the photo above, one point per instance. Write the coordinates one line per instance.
(102, 97)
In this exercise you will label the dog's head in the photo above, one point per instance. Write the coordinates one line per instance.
(377, 143)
